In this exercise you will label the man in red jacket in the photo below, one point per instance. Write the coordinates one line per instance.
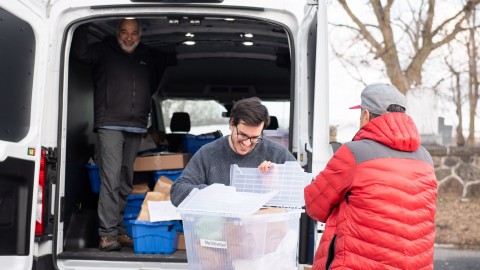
(377, 195)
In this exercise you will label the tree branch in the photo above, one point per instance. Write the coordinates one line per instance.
(362, 28)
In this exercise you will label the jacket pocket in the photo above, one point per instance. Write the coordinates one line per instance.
(331, 252)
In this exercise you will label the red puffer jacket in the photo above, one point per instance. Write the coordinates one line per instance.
(377, 196)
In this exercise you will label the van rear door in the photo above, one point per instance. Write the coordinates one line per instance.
(312, 107)
(21, 78)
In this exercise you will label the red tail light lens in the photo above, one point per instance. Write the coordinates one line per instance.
(40, 197)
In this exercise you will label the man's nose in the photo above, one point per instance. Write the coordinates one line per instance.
(247, 142)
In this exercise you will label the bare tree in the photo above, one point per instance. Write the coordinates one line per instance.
(465, 92)
(422, 36)
(457, 98)
(472, 49)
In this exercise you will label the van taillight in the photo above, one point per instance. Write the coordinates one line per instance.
(40, 197)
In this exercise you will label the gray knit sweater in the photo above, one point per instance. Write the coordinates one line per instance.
(211, 164)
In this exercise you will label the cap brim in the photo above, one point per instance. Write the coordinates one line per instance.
(356, 107)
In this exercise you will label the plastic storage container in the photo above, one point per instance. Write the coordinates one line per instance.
(128, 225)
(155, 237)
(94, 176)
(261, 241)
(170, 174)
(192, 143)
(288, 179)
(134, 205)
(221, 238)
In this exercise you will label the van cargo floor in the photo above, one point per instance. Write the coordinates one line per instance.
(126, 254)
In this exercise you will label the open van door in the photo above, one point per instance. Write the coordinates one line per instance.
(22, 78)
(312, 114)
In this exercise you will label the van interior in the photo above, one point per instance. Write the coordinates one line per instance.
(219, 60)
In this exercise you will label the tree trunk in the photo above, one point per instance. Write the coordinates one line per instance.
(473, 80)
(458, 105)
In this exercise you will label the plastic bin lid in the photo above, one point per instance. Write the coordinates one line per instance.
(288, 179)
(218, 199)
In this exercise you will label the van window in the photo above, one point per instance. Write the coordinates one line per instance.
(208, 116)
(205, 115)
(281, 110)
(17, 54)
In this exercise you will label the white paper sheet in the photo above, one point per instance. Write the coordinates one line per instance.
(162, 211)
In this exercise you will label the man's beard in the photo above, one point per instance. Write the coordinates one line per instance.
(128, 49)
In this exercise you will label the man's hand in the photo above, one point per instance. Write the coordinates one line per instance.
(265, 166)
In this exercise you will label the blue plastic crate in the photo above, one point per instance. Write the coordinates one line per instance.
(94, 176)
(134, 204)
(192, 143)
(155, 237)
(170, 174)
(128, 225)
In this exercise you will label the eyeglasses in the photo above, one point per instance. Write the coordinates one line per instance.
(242, 137)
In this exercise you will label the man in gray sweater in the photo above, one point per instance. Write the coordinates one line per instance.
(244, 147)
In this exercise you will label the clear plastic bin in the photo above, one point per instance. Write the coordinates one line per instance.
(260, 241)
(288, 179)
(225, 238)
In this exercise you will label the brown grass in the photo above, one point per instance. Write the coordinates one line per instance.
(456, 222)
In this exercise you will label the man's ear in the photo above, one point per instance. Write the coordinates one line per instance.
(365, 116)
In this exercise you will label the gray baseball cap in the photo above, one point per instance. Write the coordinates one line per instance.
(377, 97)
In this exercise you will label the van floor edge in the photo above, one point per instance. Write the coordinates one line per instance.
(125, 254)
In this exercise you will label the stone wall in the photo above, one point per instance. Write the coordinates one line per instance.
(457, 170)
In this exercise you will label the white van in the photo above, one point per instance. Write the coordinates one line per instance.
(273, 49)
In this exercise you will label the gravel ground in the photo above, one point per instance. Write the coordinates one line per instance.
(456, 222)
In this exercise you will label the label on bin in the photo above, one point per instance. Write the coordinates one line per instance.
(213, 243)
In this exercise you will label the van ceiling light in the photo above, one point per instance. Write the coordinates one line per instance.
(195, 22)
(129, 18)
(173, 21)
(248, 43)
(189, 35)
(247, 35)
(189, 42)
(229, 19)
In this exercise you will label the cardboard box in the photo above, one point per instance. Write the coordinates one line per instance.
(140, 189)
(161, 161)
(307, 267)
(181, 242)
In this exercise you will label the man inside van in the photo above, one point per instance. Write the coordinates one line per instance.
(245, 147)
(125, 74)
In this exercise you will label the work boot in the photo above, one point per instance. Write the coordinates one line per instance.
(109, 243)
(125, 240)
